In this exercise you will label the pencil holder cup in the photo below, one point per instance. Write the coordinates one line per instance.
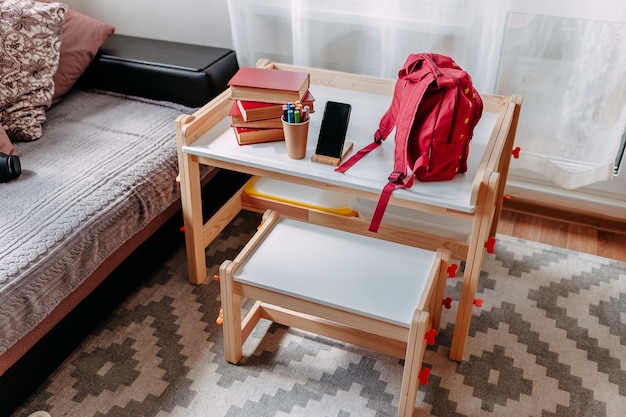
(296, 135)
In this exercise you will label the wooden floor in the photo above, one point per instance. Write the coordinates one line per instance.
(609, 242)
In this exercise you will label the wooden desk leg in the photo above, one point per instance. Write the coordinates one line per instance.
(191, 199)
(505, 158)
(473, 265)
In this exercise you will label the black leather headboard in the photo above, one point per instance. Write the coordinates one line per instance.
(182, 73)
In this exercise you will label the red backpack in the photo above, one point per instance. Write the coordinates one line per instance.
(434, 110)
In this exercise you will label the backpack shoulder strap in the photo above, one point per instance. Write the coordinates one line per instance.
(413, 80)
(407, 73)
(415, 91)
(402, 175)
(385, 126)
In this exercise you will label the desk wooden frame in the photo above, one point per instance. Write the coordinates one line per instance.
(488, 187)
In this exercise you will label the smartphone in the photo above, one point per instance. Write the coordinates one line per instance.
(333, 130)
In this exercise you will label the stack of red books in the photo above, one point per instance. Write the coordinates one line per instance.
(258, 96)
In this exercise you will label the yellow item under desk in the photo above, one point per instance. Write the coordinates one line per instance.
(300, 196)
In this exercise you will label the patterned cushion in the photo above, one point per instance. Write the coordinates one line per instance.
(30, 42)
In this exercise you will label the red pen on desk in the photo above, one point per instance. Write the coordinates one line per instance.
(304, 115)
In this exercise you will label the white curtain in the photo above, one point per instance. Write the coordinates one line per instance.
(566, 57)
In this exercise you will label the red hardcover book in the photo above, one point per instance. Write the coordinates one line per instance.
(237, 120)
(270, 86)
(256, 110)
(246, 136)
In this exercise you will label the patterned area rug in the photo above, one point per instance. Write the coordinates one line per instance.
(549, 340)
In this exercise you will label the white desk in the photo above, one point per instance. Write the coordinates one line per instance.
(368, 175)
(206, 138)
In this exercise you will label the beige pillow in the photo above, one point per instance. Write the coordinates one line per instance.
(82, 37)
(30, 42)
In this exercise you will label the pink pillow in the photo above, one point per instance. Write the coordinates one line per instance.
(82, 37)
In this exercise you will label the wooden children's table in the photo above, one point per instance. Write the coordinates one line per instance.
(206, 137)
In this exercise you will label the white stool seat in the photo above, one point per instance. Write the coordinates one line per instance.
(372, 277)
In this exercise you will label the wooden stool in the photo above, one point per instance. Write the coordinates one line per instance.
(373, 293)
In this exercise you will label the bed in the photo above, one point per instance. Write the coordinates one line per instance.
(104, 171)
(98, 183)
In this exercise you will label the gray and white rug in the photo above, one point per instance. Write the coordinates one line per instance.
(549, 340)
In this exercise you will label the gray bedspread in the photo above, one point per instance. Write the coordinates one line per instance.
(105, 168)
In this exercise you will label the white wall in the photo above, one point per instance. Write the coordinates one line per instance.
(200, 22)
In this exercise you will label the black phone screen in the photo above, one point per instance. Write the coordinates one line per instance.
(333, 130)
